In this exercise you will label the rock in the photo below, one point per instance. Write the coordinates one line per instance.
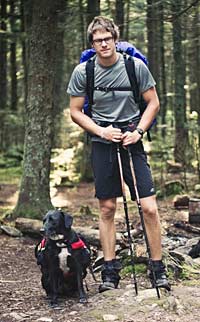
(181, 254)
(181, 201)
(110, 317)
(195, 251)
(11, 231)
(18, 316)
(194, 210)
(44, 319)
(197, 261)
(192, 241)
(129, 296)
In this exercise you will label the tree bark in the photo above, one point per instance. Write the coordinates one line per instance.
(151, 37)
(127, 20)
(34, 197)
(93, 9)
(181, 133)
(13, 63)
(3, 56)
(59, 96)
(119, 16)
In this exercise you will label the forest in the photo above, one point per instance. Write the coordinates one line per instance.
(40, 44)
(45, 159)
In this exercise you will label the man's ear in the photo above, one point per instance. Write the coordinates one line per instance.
(68, 220)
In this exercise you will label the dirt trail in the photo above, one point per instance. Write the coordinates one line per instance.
(23, 299)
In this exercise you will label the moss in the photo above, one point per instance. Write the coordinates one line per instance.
(139, 269)
(33, 211)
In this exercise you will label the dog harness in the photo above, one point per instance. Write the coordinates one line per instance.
(75, 245)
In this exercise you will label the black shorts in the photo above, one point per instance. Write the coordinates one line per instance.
(106, 170)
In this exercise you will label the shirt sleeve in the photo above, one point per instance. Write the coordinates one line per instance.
(77, 83)
(144, 76)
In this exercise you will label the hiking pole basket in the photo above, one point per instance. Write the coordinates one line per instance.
(127, 219)
(142, 221)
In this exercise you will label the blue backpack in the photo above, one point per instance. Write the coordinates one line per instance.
(128, 51)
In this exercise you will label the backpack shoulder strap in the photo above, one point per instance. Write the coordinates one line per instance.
(90, 81)
(130, 69)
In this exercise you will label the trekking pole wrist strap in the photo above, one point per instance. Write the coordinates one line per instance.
(140, 131)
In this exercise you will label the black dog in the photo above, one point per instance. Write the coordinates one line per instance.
(63, 257)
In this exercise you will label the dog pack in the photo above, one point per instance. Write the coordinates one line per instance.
(128, 51)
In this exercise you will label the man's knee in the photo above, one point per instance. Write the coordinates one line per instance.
(107, 209)
(150, 210)
(151, 213)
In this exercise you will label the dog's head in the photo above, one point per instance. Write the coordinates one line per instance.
(57, 224)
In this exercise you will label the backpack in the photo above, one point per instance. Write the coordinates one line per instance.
(128, 51)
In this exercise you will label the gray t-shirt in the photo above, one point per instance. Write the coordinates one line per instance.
(113, 106)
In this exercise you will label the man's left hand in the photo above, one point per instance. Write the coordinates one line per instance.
(130, 137)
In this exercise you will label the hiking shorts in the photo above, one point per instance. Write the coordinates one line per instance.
(107, 175)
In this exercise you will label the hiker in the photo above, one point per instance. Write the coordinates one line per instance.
(116, 120)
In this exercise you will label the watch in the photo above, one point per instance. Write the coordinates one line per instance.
(140, 131)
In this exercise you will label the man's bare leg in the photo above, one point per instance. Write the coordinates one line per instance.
(152, 224)
(153, 229)
(110, 269)
(107, 227)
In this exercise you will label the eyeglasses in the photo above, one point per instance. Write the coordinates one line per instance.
(99, 42)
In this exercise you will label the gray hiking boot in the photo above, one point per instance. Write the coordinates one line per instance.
(161, 280)
(110, 275)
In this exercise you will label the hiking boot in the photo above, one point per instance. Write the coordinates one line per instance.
(160, 275)
(110, 275)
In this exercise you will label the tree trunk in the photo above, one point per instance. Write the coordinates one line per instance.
(13, 63)
(162, 74)
(26, 17)
(93, 9)
(181, 133)
(119, 16)
(82, 25)
(127, 20)
(34, 197)
(151, 37)
(3, 56)
(59, 96)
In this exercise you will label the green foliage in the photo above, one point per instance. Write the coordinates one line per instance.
(10, 175)
(189, 272)
(139, 269)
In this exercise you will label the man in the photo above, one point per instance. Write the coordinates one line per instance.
(112, 113)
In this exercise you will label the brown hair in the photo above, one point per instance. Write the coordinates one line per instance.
(102, 23)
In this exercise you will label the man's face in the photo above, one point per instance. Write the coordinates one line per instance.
(104, 44)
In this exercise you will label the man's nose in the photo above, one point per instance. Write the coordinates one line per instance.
(103, 43)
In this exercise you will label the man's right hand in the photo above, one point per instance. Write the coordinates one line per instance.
(111, 133)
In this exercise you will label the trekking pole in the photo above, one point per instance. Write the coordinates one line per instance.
(142, 221)
(133, 275)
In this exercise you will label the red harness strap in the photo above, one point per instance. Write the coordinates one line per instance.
(76, 245)
(79, 244)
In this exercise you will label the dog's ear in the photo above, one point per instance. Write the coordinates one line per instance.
(68, 220)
